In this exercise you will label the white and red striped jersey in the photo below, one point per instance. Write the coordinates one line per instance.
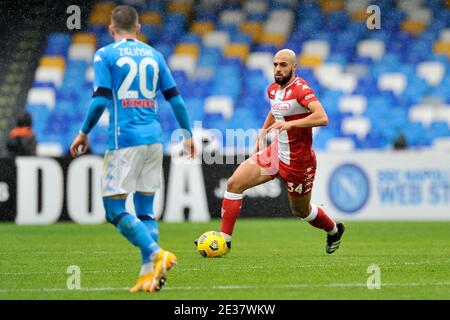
(290, 103)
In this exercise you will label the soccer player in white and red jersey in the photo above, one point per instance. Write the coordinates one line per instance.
(295, 110)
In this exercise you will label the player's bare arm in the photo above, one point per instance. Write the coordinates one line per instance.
(270, 120)
(318, 117)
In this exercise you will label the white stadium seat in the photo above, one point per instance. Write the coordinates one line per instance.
(407, 5)
(219, 104)
(370, 48)
(216, 39)
(45, 96)
(420, 14)
(356, 5)
(340, 145)
(184, 62)
(328, 73)
(236, 17)
(81, 51)
(356, 104)
(444, 35)
(432, 71)
(392, 81)
(442, 113)
(357, 69)
(279, 21)
(347, 83)
(319, 48)
(360, 126)
(422, 113)
(50, 74)
(262, 61)
(255, 6)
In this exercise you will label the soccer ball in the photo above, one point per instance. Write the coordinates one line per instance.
(212, 244)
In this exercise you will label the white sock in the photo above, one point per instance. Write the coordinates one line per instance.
(333, 231)
(226, 236)
(146, 268)
(154, 255)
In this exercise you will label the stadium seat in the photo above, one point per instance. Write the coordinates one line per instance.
(392, 81)
(317, 48)
(422, 113)
(356, 104)
(216, 39)
(239, 50)
(49, 75)
(309, 61)
(328, 74)
(442, 113)
(190, 49)
(184, 62)
(358, 125)
(262, 61)
(432, 71)
(82, 51)
(202, 27)
(234, 17)
(255, 6)
(219, 104)
(42, 96)
(373, 49)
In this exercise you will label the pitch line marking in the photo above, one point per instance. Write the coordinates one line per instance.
(237, 287)
(385, 265)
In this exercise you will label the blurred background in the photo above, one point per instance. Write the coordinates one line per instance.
(383, 88)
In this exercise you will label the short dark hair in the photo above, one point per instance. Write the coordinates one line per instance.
(24, 119)
(124, 18)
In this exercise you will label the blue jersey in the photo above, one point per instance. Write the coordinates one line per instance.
(134, 72)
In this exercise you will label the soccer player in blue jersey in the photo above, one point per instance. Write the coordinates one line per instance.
(127, 75)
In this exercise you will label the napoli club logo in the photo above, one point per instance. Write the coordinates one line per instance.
(349, 188)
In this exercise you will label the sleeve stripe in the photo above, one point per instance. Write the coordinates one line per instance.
(102, 91)
(170, 93)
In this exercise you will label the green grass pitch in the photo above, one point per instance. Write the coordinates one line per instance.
(270, 259)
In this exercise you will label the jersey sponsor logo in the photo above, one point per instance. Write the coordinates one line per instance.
(288, 93)
(136, 103)
(349, 188)
(282, 106)
(309, 96)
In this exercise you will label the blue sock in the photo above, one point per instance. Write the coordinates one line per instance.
(130, 227)
(143, 205)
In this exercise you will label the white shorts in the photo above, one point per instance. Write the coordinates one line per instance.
(132, 169)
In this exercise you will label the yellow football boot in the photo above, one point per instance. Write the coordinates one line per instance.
(143, 281)
(164, 261)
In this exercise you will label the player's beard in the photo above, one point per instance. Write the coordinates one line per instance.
(284, 80)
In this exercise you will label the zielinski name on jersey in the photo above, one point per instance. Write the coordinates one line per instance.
(135, 103)
(135, 52)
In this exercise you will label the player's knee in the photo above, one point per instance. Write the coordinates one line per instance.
(234, 185)
(300, 212)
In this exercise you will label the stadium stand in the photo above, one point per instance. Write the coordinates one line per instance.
(374, 84)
